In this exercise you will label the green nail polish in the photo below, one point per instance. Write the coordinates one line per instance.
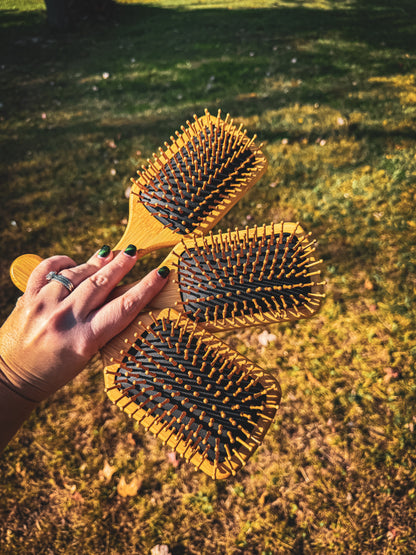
(104, 251)
(130, 250)
(163, 271)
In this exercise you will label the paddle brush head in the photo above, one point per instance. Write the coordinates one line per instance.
(203, 399)
(183, 191)
(191, 184)
(252, 277)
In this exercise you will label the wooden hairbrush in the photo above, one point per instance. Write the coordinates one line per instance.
(167, 371)
(185, 190)
(206, 401)
(243, 278)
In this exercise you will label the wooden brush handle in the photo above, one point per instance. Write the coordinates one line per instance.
(21, 269)
(23, 266)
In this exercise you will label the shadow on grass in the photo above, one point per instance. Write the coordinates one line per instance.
(203, 55)
(141, 75)
(178, 60)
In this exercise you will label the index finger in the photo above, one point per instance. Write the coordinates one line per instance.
(95, 289)
(112, 318)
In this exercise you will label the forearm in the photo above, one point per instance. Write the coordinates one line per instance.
(14, 409)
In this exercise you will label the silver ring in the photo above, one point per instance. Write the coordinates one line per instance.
(62, 279)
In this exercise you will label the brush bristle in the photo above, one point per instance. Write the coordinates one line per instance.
(192, 390)
(209, 163)
(251, 276)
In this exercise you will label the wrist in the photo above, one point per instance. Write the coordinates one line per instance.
(18, 378)
(7, 384)
(15, 408)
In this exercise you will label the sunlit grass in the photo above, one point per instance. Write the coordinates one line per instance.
(329, 89)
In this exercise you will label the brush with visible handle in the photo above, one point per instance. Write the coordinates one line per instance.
(256, 276)
(185, 190)
(207, 402)
(249, 277)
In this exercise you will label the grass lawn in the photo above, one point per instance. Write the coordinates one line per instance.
(330, 89)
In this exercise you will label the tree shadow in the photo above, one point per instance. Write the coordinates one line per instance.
(165, 64)
(181, 60)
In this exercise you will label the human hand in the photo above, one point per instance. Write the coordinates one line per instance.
(52, 333)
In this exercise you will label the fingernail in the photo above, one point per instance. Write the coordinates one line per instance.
(163, 271)
(130, 250)
(104, 251)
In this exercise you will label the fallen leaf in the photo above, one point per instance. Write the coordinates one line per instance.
(107, 472)
(173, 459)
(110, 143)
(160, 550)
(368, 285)
(391, 534)
(130, 440)
(265, 338)
(129, 489)
(390, 374)
(70, 487)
